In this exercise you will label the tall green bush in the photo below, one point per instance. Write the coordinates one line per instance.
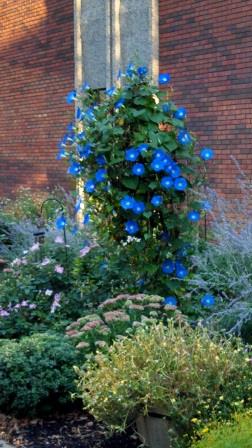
(132, 149)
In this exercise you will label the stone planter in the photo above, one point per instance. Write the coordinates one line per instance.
(155, 429)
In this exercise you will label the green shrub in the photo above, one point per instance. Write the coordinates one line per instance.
(190, 376)
(235, 434)
(117, 317)
(36, 373)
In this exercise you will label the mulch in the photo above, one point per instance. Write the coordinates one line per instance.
(72, 430)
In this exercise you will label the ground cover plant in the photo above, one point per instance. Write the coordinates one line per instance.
(184, 372)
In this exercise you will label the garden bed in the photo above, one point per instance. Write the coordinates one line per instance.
(74, 430)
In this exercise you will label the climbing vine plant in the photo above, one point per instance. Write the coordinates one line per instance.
(131, 147)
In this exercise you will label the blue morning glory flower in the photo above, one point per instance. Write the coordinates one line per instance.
(84, 151)
(111, 91)
(131, 227)
(77, 206)
(127, 202)
(138, 169)
(131, 154)
(166, 108)
(207, 154)
(130, 70)
(85, 86)
(142, 71)
(164, 78)
(207, 300)
(181, 271)
(138, 207)
(159, 154)
(60, 222)
(100, 160)
(143, 148)
(71, 96)
(157, 200)
(74, 169)
(79, 114)
(61, 154)
(167, 182)
(180, 113)
(90, 186)
(175, 170)
(165, 236)
(180, 184)
(120, 103)
(168, 162)
(101, 175)
(183, 251)
(170, 300)
(86, 219)
(184, 138)
(168, 267)
(140, 282)
(81, 135)
(157, 165)
(90, 113)
(206, 206)
(193, 216)
(70, 127)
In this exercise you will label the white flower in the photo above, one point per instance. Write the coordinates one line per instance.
(34, 247)
(48, 292)
(59, 240)
(56, 302)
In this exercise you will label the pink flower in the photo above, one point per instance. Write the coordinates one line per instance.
(85, 251)
(59, 239)
(32, 306)
(16, 262)
(111, 316)
(34, 247)
(59, 269)
(56, 302)
(4, 313)
(24, 303)
(91, 325)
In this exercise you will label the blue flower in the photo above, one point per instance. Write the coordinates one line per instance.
(140, 282)
(165, 236)
(206, 206)
(130, 70)
(61, 154)
(119, 74)
(74, 169)
(168, 267)
(159, 154)
(60, 222)
(79, 114)
(131, 227)
(157, 200)
(86, 219)
(77, 206)
(71, 96)
(138, 169)
(175, 170)
(127, 202)
(180, 113)
(85, 86)
(84, 151)
(167, 182)
(90, 186)
(120, 103)
(207, 300)
(138, 207)
(101, 175)
(111, 91)
(193, 216)
(143, 147)
(183, 251)
(100, 160)
(90, 114)
(166, 108)
(181, 271)
(81, 135)
(164, 78)
(142, 71)
(131, 154)
(157, 165)
(180, 184)
(170, 300)
(207, 153)
(184, 138)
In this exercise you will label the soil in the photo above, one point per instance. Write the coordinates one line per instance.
(73, 430)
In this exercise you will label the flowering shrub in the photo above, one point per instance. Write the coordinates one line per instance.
(185, 373)
(36, 373)
(236, 433)
(136, 156)
(116, 317)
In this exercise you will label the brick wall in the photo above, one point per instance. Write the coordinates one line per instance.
(207, 47)
(36, 72)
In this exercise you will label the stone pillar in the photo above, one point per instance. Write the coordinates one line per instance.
(114, 33)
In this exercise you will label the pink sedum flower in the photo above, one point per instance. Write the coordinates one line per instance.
(59, 269)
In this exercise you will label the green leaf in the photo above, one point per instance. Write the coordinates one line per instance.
(153, 185)
(147, 214)
(130, 182)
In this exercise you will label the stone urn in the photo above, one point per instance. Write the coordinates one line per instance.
(155, 429)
